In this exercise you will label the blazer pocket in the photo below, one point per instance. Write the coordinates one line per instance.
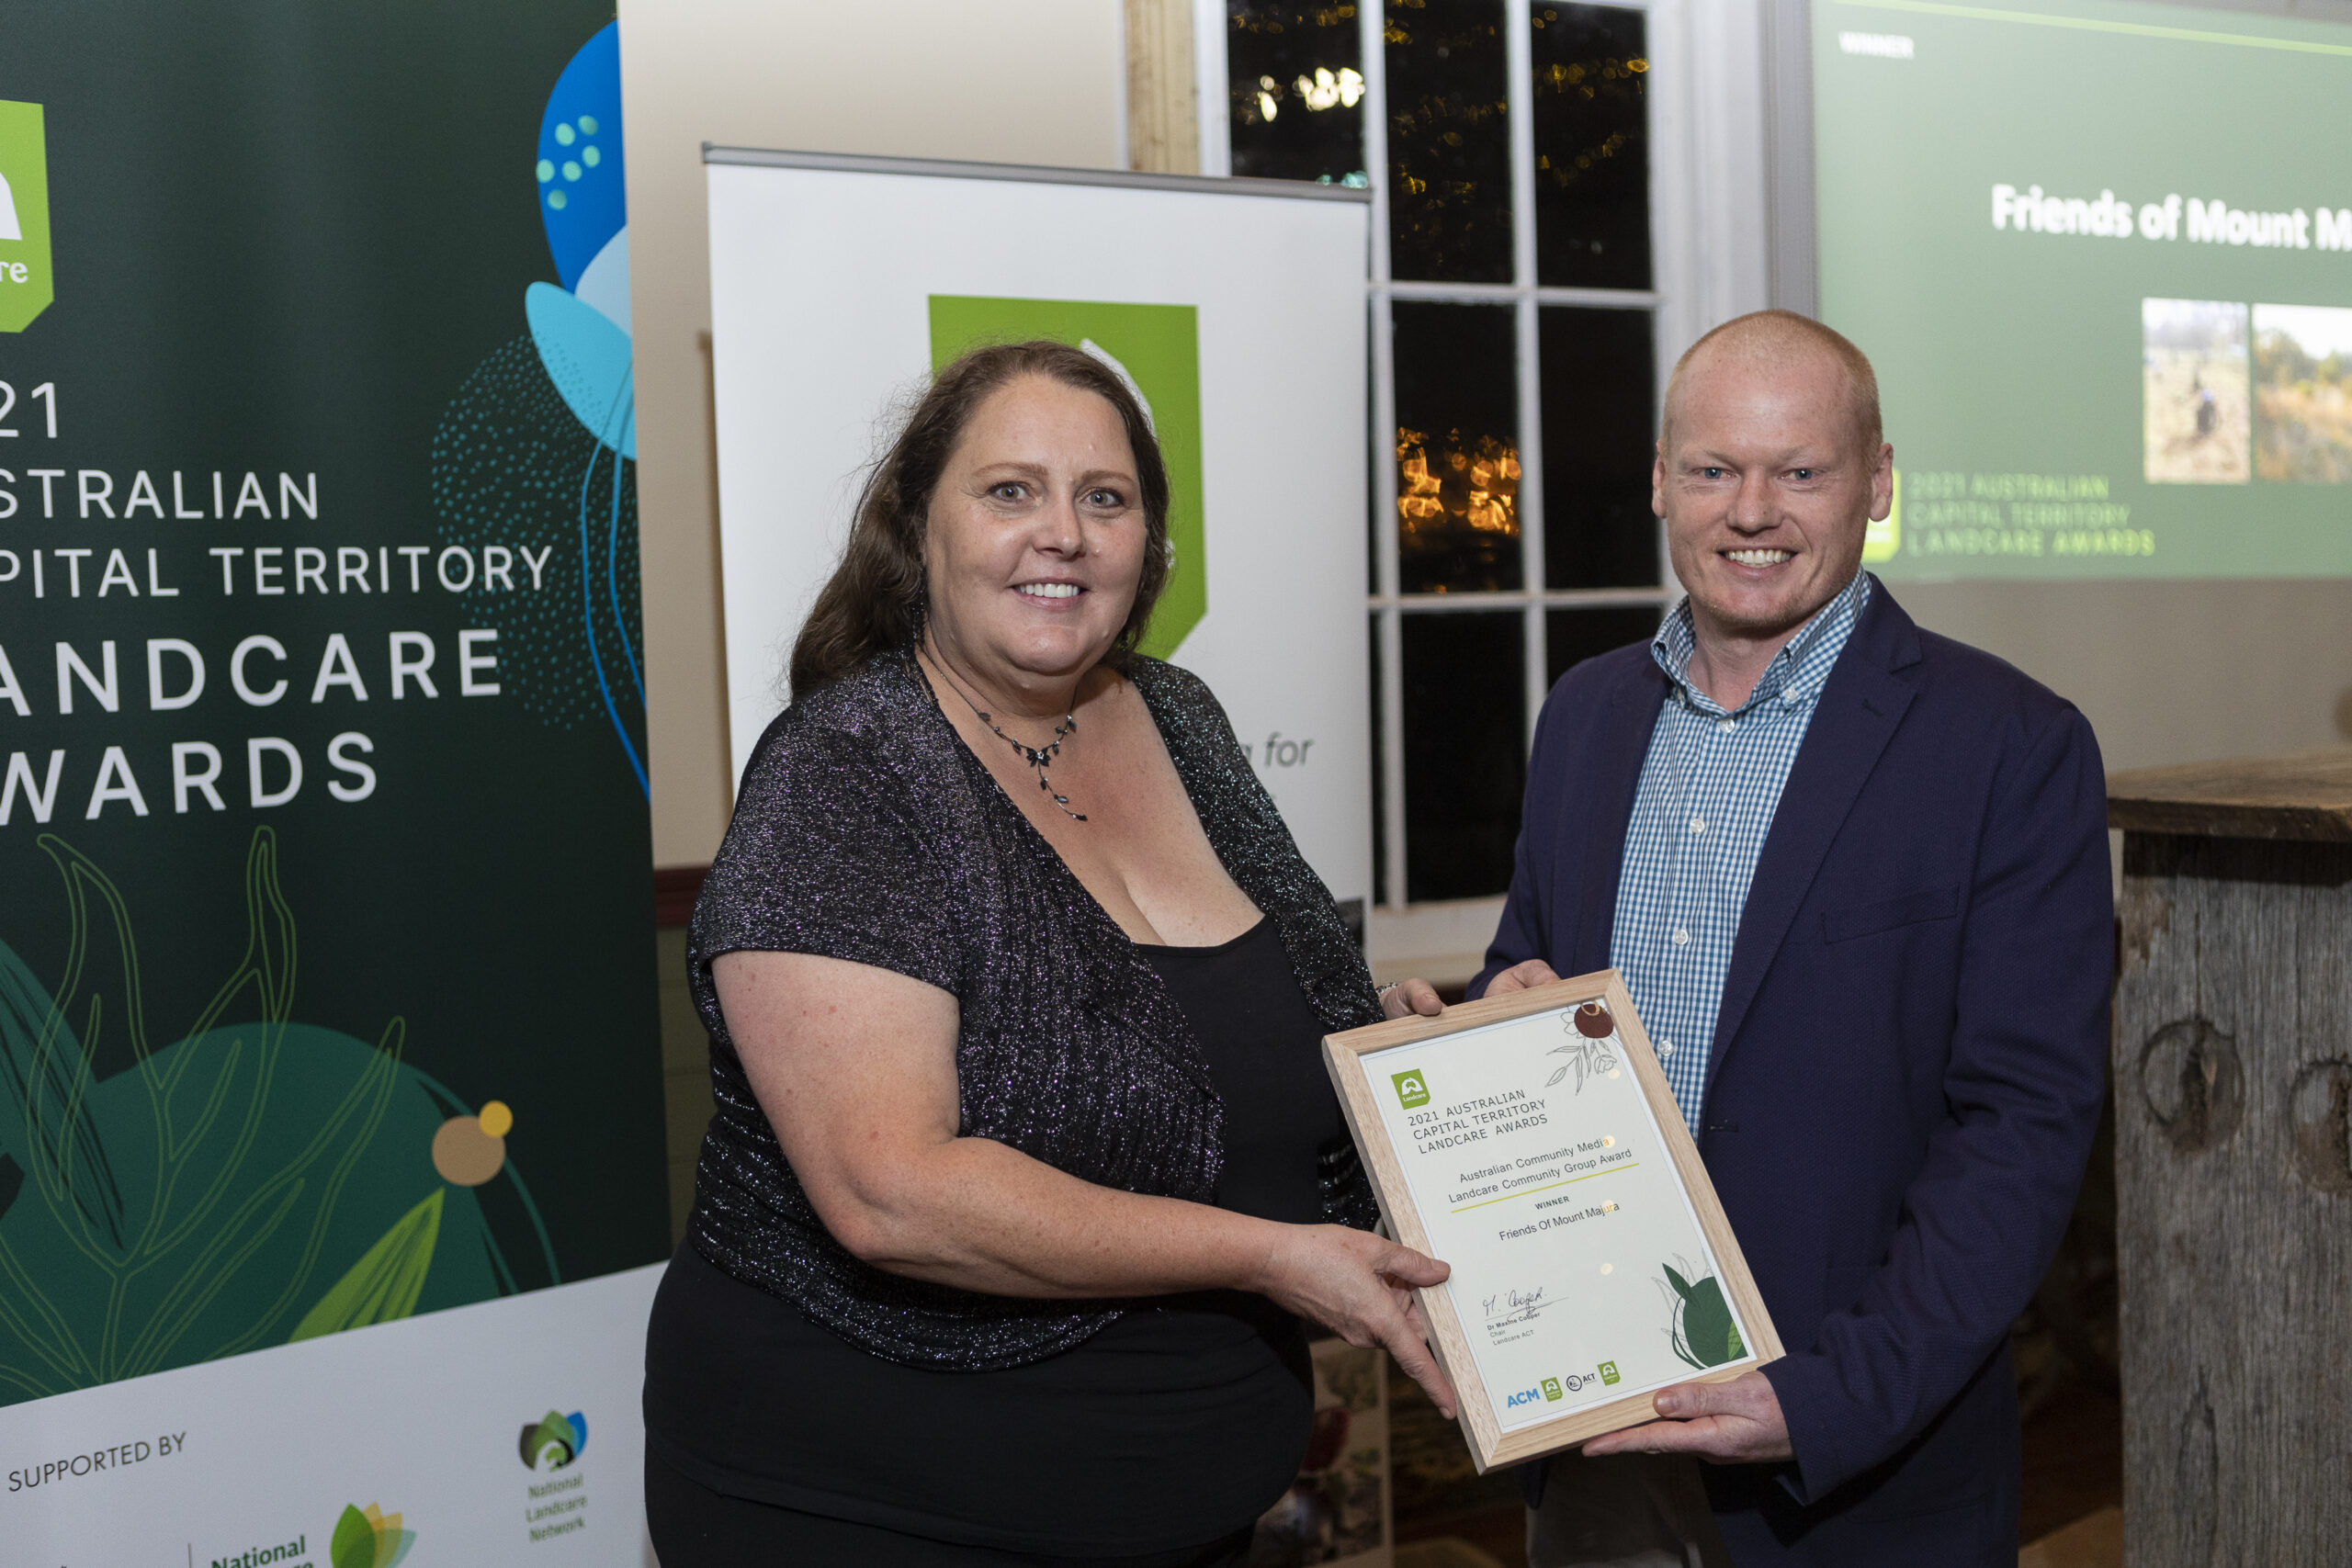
(1911, 909)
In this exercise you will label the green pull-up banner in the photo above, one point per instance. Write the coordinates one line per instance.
(326, 990)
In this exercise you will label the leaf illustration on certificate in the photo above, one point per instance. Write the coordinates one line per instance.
(1591, 1044)
(1699, 1321)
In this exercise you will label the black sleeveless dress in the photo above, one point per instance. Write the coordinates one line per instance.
(1158, 1440)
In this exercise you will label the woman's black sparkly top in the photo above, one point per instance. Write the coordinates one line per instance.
(866, 829)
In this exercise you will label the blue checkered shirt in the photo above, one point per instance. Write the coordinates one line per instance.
(1709, 788)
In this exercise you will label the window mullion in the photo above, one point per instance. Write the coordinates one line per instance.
(1371, 19)
(1519, 54)
(1674, 322)
(1212, 94)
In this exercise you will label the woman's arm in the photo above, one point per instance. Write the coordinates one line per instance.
(855, 1068)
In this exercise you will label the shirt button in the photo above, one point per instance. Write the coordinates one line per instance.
(1666, 1048)
(1698, 824)
(1727, 725)
(1681, 936)
(1792, 696)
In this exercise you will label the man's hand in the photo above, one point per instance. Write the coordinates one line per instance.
(1723, 1423)
(1412, 997)
(1522, 978)
(1421, 996)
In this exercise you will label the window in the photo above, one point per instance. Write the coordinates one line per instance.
(1514, 378)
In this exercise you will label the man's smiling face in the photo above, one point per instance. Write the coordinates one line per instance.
(1767, 481)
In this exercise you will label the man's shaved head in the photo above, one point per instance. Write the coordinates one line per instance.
(1775, 337)
(1770, 473)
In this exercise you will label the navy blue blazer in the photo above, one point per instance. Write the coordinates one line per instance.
(1906, 1069)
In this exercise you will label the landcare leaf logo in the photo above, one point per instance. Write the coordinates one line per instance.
(1412, 1089)
(1155, 349)
(554, 1441)
(368, 1539)
(26, 283)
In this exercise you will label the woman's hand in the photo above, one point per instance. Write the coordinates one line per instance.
(1413, 996)
(1361, 1287)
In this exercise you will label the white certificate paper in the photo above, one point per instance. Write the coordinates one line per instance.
(1581, 1272)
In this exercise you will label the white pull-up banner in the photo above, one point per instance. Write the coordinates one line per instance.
(839, 283)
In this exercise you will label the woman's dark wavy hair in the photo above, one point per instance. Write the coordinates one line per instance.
(875, 600)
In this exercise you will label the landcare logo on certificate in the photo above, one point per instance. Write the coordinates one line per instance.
(1155, 349)
(25, 285)
(1412, 1089)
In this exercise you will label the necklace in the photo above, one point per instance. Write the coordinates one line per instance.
(1037, 757)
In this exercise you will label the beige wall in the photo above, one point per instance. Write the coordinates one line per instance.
(2169, 672)
(1012, 81)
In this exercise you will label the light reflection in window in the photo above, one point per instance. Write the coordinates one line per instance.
(1453, 490)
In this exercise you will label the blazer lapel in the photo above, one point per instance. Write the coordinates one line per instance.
(1621, 744)
(1862, 704)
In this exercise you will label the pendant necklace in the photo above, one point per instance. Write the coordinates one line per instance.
(1037, 757)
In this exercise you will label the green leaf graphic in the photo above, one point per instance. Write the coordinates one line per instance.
(165, 1204)
(383, 1286)
(353, 1544)
(1700, 1328)
(1707, 1328)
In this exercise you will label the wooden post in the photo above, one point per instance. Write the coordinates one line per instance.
(1163, 125)
(2234, 1160)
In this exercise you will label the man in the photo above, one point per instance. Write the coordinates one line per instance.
(1856, 878)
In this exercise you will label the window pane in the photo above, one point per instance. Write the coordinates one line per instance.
(1295, 78)
(1599, 371)
(1592, 158)
(1457, 447)
(1465, 761)
(1571, 637)
(1449, 153)
(1379, 780)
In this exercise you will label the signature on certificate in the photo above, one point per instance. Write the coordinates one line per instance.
(1515, 1306)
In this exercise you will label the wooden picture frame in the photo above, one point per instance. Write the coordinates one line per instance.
(1461, 1138)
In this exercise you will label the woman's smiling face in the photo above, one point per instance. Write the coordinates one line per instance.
(1035, 542)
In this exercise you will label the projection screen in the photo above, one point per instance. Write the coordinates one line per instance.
(2101, 255)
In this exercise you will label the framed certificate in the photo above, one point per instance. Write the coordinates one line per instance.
(1531, 1142)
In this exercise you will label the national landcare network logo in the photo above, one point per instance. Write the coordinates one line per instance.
(554, 1441)
(26, 286)
(557, 1505)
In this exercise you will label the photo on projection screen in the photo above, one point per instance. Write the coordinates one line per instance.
(2101, 256)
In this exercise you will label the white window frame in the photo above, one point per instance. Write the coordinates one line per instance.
(1710, 206)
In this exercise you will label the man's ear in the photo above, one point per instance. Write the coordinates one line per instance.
(1658, 481)
(1883, 483)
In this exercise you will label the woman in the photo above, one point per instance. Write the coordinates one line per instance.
(1025, 1165)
